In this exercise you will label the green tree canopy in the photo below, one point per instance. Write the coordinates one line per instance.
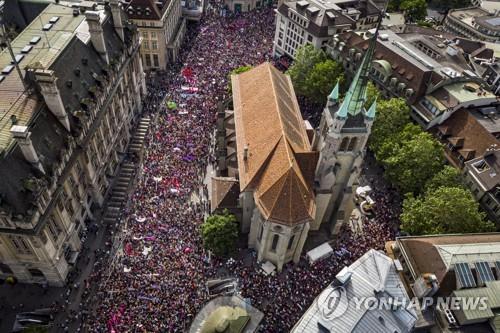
(306, 58)
(321, 79)
(447, 177)
(392, 116)
(444, 210)
(411, 158)
(414, 10)
(372, 93)
(220, 233)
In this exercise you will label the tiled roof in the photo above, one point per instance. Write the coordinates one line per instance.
(14, 101)
(374, 275)
(424, 254)
(270, 128)
(474, 137)
(146, 9)
(225, 192)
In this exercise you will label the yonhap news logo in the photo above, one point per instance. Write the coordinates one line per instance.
(335, 302)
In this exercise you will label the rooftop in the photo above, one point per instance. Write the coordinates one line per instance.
(436, 254)
(146, 9)
(372, 275)
(274, 154)
(476, 15)
(46, 46)
(486, 170)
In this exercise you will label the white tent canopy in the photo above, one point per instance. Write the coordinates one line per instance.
(320, 252)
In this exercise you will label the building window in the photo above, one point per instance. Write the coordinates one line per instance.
(148, 60)
(309, 38)
(261, 232)
(5, 269)
(36, 273)
(154, 45)
(155, 60)
(145, 44)
(290, 242)
(344, 143)
(153, 35)
(54, 229)
(352, 144)
(20, 244)
(145, 35)
(274, 244)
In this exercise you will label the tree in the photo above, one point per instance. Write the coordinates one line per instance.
(414, 10)
(306, 58)
(220, 233)
(392, 116)
(236, 71)
(321, 79)
(444, 210)
(447, 177)
(372, 94)
(411, 159)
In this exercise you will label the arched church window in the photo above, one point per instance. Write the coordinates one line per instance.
(290, 242)
(274, 244)
(343, 144)
(352, 144)
(261, 232)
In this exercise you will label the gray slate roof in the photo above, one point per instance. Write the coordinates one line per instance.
(373, 271)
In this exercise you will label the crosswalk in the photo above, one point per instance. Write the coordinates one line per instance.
(121, 187)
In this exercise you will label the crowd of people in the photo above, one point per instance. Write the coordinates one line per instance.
(158, 282)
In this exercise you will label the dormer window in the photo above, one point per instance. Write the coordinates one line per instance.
(481, 166)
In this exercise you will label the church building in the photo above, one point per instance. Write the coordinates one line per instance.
(278, 175)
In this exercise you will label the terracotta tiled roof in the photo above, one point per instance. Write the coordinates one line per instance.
(225, 192)
(403, 69)
(279, 159)
(474, 137)
(424, 257)
(145, 9)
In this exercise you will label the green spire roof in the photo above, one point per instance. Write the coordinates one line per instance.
(372, 110)
(334, 95)
(356, 95)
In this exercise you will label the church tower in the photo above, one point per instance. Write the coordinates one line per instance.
(341, 140)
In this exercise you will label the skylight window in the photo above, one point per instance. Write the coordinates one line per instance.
(47, 27)
(27, 49)
(35, 40)
(18, 58)
(54, 19)
(7, 69)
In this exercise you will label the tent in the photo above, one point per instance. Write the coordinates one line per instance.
(318, 253)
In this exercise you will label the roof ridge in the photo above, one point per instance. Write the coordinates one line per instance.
(273, 84)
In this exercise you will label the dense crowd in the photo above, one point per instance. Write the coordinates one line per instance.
(158, 282)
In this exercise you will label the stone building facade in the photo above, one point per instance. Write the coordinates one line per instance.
(162, 29)
(64, 137)
(315, 22)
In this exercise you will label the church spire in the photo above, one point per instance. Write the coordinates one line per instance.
(356, 95)
(372, 110)
(334, 95)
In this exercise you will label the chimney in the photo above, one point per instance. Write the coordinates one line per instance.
(245, 153)
(47, 81)
(22, 137)
(96, 33)
(117, 12)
